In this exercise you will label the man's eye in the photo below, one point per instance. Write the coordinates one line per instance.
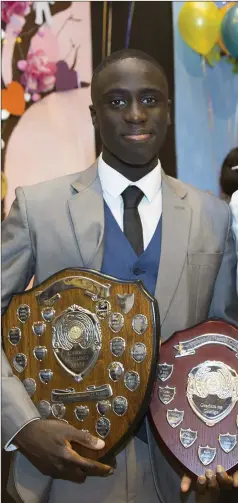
(118, 103)
(149, 100)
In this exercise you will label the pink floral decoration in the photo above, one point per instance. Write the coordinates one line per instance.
(39, 72)
(18, 8)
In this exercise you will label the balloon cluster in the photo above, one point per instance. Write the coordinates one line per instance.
(203, 25)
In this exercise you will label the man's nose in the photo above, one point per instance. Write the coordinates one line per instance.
(135, 113)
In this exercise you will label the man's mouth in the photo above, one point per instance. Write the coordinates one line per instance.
(138, 137)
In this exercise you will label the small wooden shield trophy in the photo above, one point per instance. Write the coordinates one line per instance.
(85, 346)
(195, 400)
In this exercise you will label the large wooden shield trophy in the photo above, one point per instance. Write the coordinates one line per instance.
(85, 346)
(195, 400)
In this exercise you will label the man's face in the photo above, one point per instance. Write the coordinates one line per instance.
(130, 110)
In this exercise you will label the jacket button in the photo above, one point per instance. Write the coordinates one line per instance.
(137, 271)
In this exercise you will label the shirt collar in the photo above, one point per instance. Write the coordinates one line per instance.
(115, 183)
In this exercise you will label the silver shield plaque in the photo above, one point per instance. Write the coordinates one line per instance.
(187, 437)
(175, 417)
(81, 412)
(139, 324)
(166, 394)
(14, 335)
(227, 442)
(212, 391)
(165, 371)
(38, 328)
(116, 322)
(23, 313)
(103, 407)
(58, 410)
(131, 380)
(48, 314)
(40, 352)
(77, 340)
(138, 352)
(206, 454)
(45, 375)
(20, 362)
(29, 385)
(44, 409)
(103, 309)
(103, 426)
(126, 302)
(117, 346)
(120, 405)
(116, 371)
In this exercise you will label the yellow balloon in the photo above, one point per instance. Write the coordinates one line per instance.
(223, 12)
(199, 25)
(4, 186)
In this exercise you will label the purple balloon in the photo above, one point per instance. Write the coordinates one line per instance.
(229, 31)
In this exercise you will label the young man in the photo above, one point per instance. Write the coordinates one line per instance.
(125, 217)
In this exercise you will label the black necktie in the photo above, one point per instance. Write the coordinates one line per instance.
(131, 219)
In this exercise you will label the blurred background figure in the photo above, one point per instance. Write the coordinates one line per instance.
(229, 175)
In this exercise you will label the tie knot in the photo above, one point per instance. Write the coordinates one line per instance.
(132, 196)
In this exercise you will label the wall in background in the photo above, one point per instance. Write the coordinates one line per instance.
(201, 146)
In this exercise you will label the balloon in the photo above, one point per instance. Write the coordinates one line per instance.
(223, 12)
(229, 31)
(199, 25)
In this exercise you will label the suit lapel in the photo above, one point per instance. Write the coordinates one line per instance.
(86, 209)
(176, 220)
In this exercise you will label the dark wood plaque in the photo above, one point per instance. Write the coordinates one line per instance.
(195, 399)
(85, 346)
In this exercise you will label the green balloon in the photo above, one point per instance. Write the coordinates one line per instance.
(229, 31)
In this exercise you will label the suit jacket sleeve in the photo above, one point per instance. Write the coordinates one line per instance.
(17, 270)
(225, 300)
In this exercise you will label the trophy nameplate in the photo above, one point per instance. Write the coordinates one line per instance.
(85, 346)
(194, 404)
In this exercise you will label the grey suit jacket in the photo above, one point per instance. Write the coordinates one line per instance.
(60, 224)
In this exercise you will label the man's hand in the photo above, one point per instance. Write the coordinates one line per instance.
(212, 483)
(47, 445)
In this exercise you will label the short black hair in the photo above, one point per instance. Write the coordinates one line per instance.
(119, 56)
(229, 177)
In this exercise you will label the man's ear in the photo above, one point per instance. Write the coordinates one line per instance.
(93, 116)
(169, 112)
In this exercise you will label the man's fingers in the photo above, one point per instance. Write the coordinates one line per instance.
(224, 480)
(185, 483)
(235, 479)
(201, 484)
(89, 466)
(85, 438)
(212, 483)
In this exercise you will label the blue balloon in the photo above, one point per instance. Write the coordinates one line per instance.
(229, 31)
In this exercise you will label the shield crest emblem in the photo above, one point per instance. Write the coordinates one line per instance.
(188, 437)
(227, 442)
(175, 417)
(165, 371)
(126, 302)
(206, 454)
(166, 394)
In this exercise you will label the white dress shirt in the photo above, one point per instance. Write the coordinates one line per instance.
(150, 207)
(234, 209)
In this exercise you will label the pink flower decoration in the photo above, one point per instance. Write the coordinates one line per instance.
(39, 72)
(18, 8)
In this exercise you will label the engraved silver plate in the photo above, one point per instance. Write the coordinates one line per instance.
(103, 407)
(44, 409)
(206, 454)
(185, 348)
(29, 385)
(92, 393)
(45, 375)
(174, 417)
(116, 322)
(227, 442)
(14, 335)
(38, 328)
(103, 309)
(81, 412)
(126, 302)
(166, 394)
(40, 352)
(23, 313)
(212, 391)
(139, 324)
(58, 410)
(187, 437)
(165, 371)
(131, 380)
(116, 371)
(48, 314)
(20, 362)
(117, 346)
(77, 340)
(96, 290)
(120, 405)
(138, 352)
(103, 427)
